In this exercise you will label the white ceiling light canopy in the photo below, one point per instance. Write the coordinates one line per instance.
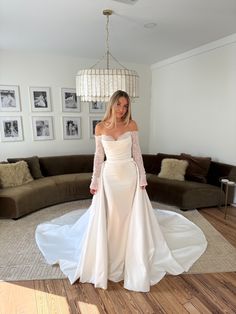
(127, 1)
(98, 84)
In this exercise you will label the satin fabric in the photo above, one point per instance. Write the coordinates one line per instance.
(120, 237)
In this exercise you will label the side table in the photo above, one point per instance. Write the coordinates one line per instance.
(227, 183)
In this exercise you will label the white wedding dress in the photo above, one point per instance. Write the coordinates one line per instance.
(120, 237)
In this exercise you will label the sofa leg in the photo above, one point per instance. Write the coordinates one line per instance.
(186, 209)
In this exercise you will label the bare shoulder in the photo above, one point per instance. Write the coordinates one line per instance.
(99, 129)
(133, 126)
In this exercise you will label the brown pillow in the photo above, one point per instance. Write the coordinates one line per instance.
(173, 169)
(33, 163)
(14, 174)
(197, 169)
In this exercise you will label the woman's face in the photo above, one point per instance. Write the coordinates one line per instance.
(121, 108)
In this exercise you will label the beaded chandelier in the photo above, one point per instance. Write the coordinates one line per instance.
(98, 84)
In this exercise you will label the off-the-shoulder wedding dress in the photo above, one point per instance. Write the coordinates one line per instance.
(120, 236)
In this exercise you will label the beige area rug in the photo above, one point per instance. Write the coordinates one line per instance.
(20, 258)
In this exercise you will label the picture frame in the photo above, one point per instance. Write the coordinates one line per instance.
(40, 99)
(42, 128)
(11, 129)
(70, 101)
(97, 107)
(9, 98)
(93, 120)
(71, 128)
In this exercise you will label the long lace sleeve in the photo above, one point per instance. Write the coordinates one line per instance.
(137, 156)
(97, 163)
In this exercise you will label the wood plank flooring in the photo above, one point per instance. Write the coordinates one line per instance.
(227, 226)
(202, 293)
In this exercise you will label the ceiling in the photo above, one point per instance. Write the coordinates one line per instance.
(77, 27)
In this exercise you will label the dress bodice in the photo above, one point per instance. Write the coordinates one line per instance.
(124, 148)
(119, 149)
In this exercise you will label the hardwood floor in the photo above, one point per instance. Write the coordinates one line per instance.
(202, 293)
(227, 226)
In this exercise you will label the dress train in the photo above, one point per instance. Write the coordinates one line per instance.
(120, 236)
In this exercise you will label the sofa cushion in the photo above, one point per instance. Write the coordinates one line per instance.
(73, 185)
(198, 167)
(151, 162)
(18, 201)
(183, 194)
(14, 174)
(56, 165)
(33, 163)
(173, 169)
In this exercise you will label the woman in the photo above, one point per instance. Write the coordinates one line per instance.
(120, 237)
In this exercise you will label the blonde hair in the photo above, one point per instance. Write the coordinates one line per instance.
(110, 112)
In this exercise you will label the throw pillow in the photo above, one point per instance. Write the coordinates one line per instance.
(161, 156)
(3, 162)
(14, 174)
(33, 163)
(198, 167)
(173, 169)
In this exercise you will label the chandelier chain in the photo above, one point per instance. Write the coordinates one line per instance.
(107, 41)
(107, 55)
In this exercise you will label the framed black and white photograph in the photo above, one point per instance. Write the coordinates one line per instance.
(42, 128)
(11, 129)
(40, 98)
(70, 102)
(71, 128)
(97, 107)
(93, 121)
(9, 98)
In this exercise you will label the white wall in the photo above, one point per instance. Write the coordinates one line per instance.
(193, 103)
(56, 72)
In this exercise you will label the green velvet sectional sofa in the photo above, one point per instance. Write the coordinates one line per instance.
(60, 179)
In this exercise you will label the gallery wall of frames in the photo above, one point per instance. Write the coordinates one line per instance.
(42, 115)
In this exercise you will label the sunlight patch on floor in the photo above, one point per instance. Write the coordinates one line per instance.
(88, 308)
(15, 298)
